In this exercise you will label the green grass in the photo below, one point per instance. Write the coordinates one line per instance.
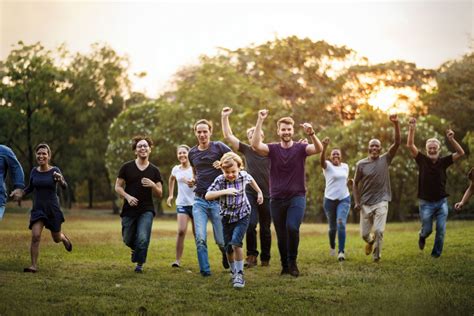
(98, 278)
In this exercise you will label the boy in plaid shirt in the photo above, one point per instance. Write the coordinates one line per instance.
(235, 210)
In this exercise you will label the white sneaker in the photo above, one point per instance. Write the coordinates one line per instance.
(239, 281)
(332, 252)
(341, 256)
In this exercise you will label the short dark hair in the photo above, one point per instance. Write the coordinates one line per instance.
(136, 139)
(203, 121)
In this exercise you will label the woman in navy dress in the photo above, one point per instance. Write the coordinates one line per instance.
(46, 211)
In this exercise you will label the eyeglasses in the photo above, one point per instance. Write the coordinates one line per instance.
(142, 146)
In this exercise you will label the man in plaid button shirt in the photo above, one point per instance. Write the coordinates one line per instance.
(235, 210)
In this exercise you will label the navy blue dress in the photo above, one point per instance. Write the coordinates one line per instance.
(45, 202)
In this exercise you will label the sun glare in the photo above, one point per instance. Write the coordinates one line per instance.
(394, 100)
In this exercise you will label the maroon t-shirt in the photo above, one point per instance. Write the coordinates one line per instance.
(287, 176)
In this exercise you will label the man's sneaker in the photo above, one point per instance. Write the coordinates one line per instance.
(369, 247)
(265, 263)
(239, 281)
(250, 261)
(341, 256)
(175, 264)
(205, 273)
(139, 268)
(332, 252)
(421, 242)
(294, 269)
(225, 262)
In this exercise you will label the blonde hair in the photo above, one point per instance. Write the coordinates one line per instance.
(285, 120)
(228, 160)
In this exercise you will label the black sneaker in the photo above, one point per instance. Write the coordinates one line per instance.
(225, 262)
(139, 268)
(421, 242)
(284, 270)
(294, 269)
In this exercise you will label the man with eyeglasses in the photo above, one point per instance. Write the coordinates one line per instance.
(137, 181)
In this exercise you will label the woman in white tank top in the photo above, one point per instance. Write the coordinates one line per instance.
(337, 199)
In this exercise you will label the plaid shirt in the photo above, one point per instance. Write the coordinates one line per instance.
(233, 208)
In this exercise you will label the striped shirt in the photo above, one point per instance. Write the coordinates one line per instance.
(233, 208)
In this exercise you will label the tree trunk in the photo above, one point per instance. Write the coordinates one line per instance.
(90, 184)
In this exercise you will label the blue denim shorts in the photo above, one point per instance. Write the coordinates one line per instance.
(185, 209)
(234, 233)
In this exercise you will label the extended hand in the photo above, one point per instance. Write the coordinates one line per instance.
(393, 118)
(132, 201)
(169, 200)
(17, 194)
(308, 128)
(458, 206)
(262, 114)
(226, 111)
(190, 182)
(58, 177)
(232, 191)
(260, 199)
(357, 207)
(216, 164)
(450, 134)
(412, 122)
(148, 183)
(325, 142)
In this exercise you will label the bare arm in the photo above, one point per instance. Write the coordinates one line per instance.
(322, 160)
(212, 195)
(355, 190)
(467, 195)
(257, 144)
(171, 182)
(411, 138)
(459, 151)
(394, 147)
(120, 189)
(255, 186)
(316, 146)
(227, 131)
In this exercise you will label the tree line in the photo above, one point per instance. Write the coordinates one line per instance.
(83, 106)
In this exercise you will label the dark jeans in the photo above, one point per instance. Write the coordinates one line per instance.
(136, 233)
(287, 215)
(259, 214)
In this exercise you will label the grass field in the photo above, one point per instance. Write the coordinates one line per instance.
(98, 278)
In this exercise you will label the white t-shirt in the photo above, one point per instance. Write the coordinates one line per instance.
(185, 193)
(336, 181)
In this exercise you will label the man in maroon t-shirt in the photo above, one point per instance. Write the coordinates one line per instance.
(287, 184)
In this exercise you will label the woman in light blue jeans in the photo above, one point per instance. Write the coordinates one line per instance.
(337, 199)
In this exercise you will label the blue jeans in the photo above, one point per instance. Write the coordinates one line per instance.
(287, 215)
(234, 232)
(136, 233)
(337, 212)
(430, 211)
(202, 211)
(2, 211)
(259, 214)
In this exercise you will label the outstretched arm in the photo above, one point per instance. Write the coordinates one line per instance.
(171, 182)
(257, 144)
(316, 146)
(459, 151)
(322, 160)
(467, 195)
(411, 137)
(394, 147)
(227, 131)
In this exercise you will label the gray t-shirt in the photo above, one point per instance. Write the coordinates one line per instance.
(258, 167)
(374, 180)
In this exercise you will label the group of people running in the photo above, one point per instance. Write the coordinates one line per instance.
(213, 185)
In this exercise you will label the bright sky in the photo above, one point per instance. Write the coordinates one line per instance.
(161, 37)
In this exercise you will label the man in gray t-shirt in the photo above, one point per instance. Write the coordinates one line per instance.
(372, 192)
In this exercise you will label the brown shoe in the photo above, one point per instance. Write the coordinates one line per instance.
(265, 263)
(250, 261)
